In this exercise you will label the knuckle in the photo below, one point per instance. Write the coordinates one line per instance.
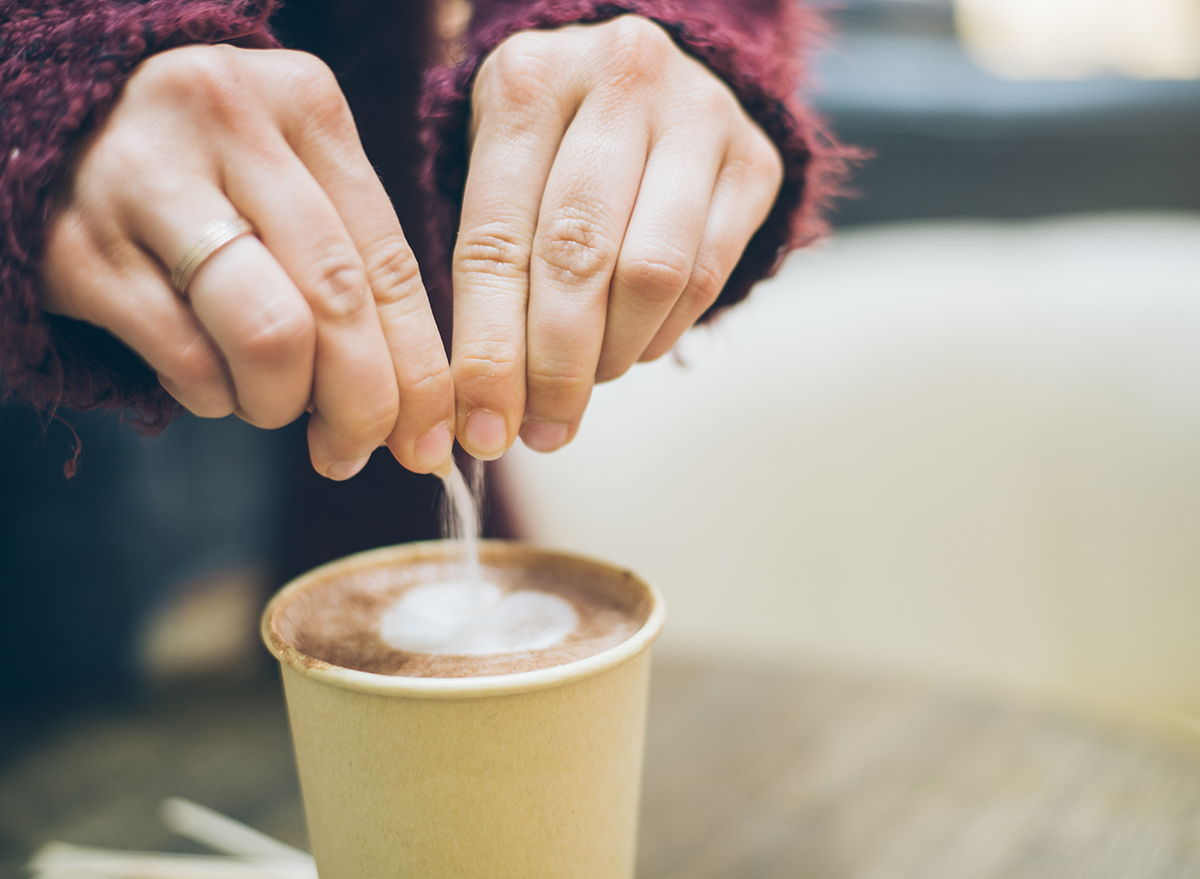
(516, 72)
(755, 161)
(316, 88)
(309, 72)
(428, 382)
(713, 100)
(636, 46)
(656, 277)
(118, 166)
(369, 425)
(58, 286)
(705, 284)
(338, 285)
(276, 335)
(393, 270)
(574, 246)
(493, 250)
(558, 378)
(764, 160)
(486, 365)
(196, 367)
(205, 76)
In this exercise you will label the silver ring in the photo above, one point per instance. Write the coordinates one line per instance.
(219, 235)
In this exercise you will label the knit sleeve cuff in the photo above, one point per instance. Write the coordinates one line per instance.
(62, 67)
(758, 55)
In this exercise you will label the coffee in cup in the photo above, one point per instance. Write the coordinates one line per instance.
(446, 727)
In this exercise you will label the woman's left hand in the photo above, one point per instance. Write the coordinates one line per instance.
(614, 182)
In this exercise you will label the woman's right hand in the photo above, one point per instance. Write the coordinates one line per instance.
(323, 310)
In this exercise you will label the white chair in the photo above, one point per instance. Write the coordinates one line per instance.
(966, 452)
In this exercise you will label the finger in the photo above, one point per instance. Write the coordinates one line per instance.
(149, 317)
(585, 211)
(513, 152)
(328, 145)
(240, 295)
(744, 194)
(354, 391)
(660, 245)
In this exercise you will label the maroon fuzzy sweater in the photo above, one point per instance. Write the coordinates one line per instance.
(63, 64)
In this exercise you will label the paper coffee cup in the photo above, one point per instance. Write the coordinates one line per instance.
(535, 774)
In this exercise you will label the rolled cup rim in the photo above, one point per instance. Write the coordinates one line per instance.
(463, 687)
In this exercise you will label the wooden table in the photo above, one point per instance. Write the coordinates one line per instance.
(750, 773)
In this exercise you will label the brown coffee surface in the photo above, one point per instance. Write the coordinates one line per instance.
(335, 620)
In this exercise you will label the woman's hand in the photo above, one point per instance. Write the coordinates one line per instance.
(614, 183)
(324, 309)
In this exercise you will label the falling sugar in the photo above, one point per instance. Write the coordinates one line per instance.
(460, 516)
(470, 616)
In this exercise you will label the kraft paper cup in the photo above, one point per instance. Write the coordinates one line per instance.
(528, 775)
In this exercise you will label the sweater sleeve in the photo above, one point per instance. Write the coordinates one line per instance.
(756, 46)
(62, 66)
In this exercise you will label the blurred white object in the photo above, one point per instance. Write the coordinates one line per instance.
(255, 855)
(206, 627)
(1057, 39)
(195, 822)
(969, 452)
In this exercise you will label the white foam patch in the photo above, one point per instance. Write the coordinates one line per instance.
(476, 619)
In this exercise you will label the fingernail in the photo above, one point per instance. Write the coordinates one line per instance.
(433, 449)
(486, 434)
(543, 436)
(345, 469)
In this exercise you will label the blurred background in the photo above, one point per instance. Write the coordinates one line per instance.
(959, 439)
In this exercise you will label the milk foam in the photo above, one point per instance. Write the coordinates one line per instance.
(469, 618)
(472, 617)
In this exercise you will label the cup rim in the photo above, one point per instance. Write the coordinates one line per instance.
(452, 688)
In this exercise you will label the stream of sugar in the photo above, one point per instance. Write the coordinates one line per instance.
(460, 517)
(468, 615)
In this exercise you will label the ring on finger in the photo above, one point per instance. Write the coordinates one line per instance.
(216, 238)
